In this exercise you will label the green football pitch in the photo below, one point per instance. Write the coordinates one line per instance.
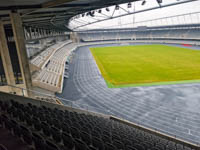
(147, 65)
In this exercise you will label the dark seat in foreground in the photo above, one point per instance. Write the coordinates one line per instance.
(2, 147)
(54, 129)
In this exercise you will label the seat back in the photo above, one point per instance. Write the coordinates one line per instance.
(2, 147)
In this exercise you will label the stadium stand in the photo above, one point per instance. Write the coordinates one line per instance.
(42, 125)
(34, 55)
(40, 59)
(170, 32)
(51, 66)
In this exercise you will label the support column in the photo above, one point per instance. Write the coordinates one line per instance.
(74, 37)
(6, 58)
(35, 33)
(21, 50)
(44, 33)
(31, 34)
(40, 33)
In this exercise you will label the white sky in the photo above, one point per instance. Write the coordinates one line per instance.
(131, 20)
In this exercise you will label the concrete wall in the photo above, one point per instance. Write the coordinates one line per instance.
(17, 91)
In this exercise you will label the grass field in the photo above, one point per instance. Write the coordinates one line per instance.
(147, 65)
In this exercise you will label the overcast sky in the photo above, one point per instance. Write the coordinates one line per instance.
(132, 20)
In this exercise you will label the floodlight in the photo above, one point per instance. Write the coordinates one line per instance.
(117, 7)
(143, 2)
(159, 1)
(99, 11)
(107, 9)
(129, 5)
(91, 13)
(83, 15)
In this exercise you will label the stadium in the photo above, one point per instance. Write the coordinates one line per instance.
(99, 75)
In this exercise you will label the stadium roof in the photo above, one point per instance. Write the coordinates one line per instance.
(149, 13)
(51, 13)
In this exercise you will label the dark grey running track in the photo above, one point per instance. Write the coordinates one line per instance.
(172, 109)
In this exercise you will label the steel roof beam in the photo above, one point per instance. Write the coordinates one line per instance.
(52, 12)
(73, 5)
(55, 3)
(136, 12)
(20, 7)
(44, 15)
(43, 20)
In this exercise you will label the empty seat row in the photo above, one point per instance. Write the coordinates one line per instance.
(2, 147)
(48, 77)
(51, 73)
(41, 58)
(47, 128)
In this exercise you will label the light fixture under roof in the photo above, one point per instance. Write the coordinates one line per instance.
(99, 11)
(129, 5)
(117, 7)
(87, 14)
(159, 2)
(107, 9)
(143, 2)
(91, 13)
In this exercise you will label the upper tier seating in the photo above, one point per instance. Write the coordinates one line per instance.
(148, 34)
(47, 128)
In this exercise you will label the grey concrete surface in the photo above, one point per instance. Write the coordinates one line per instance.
(172, 109)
